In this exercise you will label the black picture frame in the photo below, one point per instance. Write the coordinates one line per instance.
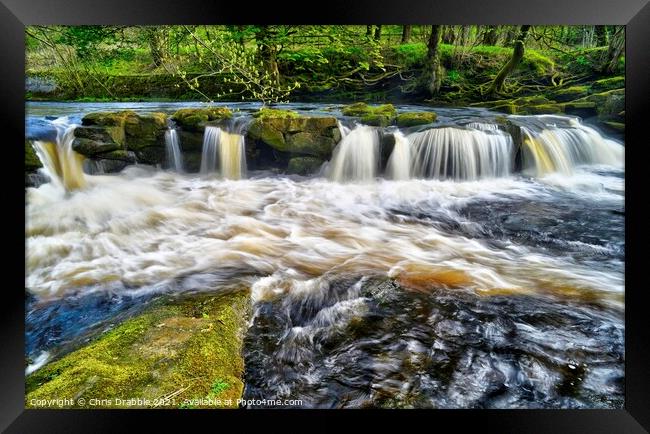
(635, 14)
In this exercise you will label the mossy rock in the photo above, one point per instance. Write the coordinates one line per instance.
(304, 165)
(571, 93)
(509, 108)
(267, 133)
(356, 109)
(32, 163)
(106, 134)
(107, 119)
(267, 113)
(91, 148)
(616, 126)
(543, 109)
(584, 109)
(189, 349)
(378, 120)
(309, 143)
(382, 115)
(610, 105)
(194, 119)
(145, 131)
(610, 83)
(410, 119)
(315, 136)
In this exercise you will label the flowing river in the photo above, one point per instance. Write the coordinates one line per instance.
(425, 284)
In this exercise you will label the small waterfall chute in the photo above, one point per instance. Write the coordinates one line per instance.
(60, 162)
(356, 157)
(173, 150)
(552, 148)
(460, 153)
(399, 162)
(224, 152)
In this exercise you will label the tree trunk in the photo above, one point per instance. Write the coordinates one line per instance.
(448, 36)
(464, 35)
(378, 33)
(432, 73)
(614, 52)
(156, 41)
(510, 36)
(490, 36)
(508, 68)
(268, 53)
(601, 36)
(406, 34)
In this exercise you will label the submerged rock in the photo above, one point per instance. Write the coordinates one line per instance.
(177, 350)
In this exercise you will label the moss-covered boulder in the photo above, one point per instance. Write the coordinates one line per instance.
(382, 115)
(177, 354)
(101, 133)
(610, 83)
(410, 119)
(609, 105)
(304, 165)
(196, 119)
(294, 134)
(91, 148)
(32, 163)
(571, 93)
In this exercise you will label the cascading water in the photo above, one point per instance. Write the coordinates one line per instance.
(460, 154)
(173, 150)
(423, 292)
(549, 148)
(225, 149)
(399, 163)
(356, 157)
(60, 162)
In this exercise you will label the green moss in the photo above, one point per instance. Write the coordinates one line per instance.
(32, 163)
(570, 93)
(410, 119)
(269, 113)
(542, 109)
(538, 62)
(609, 83)
(194, 119)
(616, 126)
(264, 131)
(382, 115)
(145, 130)
(108, 119)
(170, 349)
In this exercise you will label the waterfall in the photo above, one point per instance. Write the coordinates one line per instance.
(60, 162)
(356, 157)
(399, 163)
(343, 129)
(225, 149)
(173, 150)
(560, 149)
(461, 154)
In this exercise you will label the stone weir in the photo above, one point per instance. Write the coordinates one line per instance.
(275, 139)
